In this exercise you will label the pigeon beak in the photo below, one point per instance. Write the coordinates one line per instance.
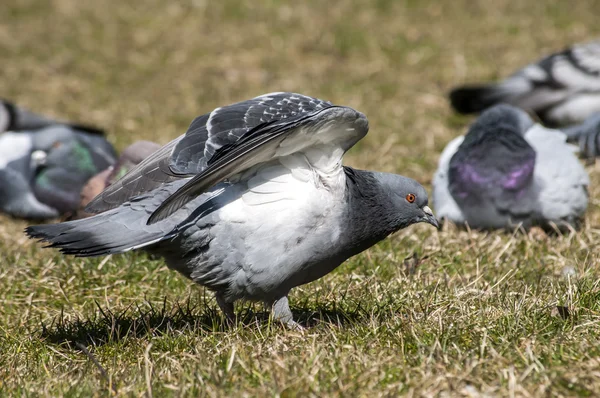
(430, 217)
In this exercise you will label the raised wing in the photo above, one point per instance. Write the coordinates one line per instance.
(190, 153)
(322, 136)
(225, 126)
(209, 137)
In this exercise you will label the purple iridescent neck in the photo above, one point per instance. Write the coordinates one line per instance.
(468, 178)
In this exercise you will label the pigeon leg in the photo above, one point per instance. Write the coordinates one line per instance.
(282, 313)
(226, 308)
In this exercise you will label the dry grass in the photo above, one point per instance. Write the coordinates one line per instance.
(474, 314)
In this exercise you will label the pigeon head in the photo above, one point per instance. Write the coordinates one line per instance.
(62, 146)
(65, 159)
(494, 160)
(408, 201)
(503, 115)
(47, 138)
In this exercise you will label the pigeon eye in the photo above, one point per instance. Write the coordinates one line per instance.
(56, 144)
(410, 198)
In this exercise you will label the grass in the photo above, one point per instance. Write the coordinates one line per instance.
(454, 313)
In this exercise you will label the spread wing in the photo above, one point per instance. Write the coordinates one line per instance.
(322, 136)
(234, 138)
(189, 154)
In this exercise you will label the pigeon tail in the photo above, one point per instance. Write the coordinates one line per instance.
(94, 236)
(474, 99)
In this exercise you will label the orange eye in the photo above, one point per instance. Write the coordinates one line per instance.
(410, 198)
(56, 144)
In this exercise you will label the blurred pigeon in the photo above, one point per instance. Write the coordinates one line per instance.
(252, 201)
(507, 171)
(563, 88)
(587, 135)
(42, 171)
(15, 118)
(130, 157)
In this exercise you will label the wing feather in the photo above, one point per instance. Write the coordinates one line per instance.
(149, 174)
(229, 140)
(335, 128)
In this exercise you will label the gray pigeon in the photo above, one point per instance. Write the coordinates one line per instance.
(563, 88)
(42, 171)
(509, 171)
(252, 201)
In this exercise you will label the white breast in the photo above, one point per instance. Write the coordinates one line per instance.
(443, 202)
(286, 218)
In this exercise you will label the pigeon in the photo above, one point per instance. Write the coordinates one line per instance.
(130, 157)
(508, 171)
(562, 89)
(587, 135)
(16, 118)
(42, 171)
(250, 202)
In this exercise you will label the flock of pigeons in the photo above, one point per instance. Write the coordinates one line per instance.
(253, 200)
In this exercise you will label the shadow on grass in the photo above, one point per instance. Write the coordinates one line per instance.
(107, 327)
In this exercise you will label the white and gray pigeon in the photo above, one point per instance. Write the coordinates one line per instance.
(42, 171)
(509, 171)
(563, 88)
(251, 201)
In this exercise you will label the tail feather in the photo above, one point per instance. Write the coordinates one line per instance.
(123, 228)
(95, 236)
(474, 99)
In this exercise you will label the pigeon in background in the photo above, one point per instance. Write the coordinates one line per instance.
(509, 171)
(252, 201)
(42, 171)
(563, 88)
(130, 157)
(15, 118)
(587, 135)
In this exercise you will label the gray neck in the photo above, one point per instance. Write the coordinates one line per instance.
(370, 217)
